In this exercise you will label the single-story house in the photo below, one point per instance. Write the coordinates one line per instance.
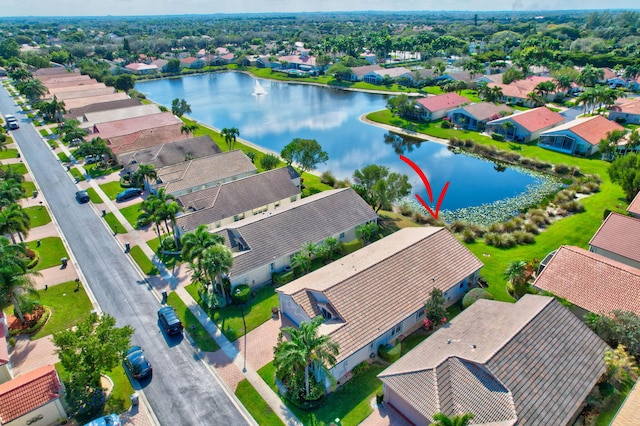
(263, 61)
(83, 92)
(90, 119)
(627, 112)
(526, 363)
(169, 154)
(139, 68)
(78, 113)
(161, 64)
(456, 76)
(204, 172)
(62, 77)
(526, 126)
(303, 62)
(634, 206)
(73, 88)
(618, 238)
(377, 74)
(37, 396)
(476, 116)
(83, 82)
(127, 126)
(57, 71)
(192, 63)
(591, 281)
(72, 104)
(516, 92)
(365, 71)
(264, 243)
(578, 137)
(436, 107)
(225, 59)
(223, 204)
(369, 57)
(146, 138)
(376, 294)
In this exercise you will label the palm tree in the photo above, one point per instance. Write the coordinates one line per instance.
(517, 275)
(12, 255)
(587, 99)
(309, 248)
(544, 88)
(10, 192)
(564, 83)
(144, 173)
(188, 129)
(302, 261)
(15, 283)
(535, 98)
(194, 244)
(506, 126)
(171, 211)
(230, 136)
(305, 350)
(33, 89)
(496, 94)
(332, 244)
(151, 208)
(590, 75)
(217, 260)
(13, 219)
(444, 420)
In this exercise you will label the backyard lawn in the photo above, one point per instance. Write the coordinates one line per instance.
(38, 216)
(68, 307)
(51, 250)
(198, 333)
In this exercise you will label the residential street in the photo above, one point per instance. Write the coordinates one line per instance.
(183, 390)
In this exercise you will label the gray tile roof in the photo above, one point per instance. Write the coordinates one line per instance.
(384, 282)
(101, 106)
(171, 153)
(239, 196)
(283, 231)
(485, 110)
(541, 353)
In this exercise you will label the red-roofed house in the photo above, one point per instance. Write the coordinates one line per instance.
(618, 238)
(191, 62)
(33, 397)
(436, 107)
(634, 207)
(128, 126)
(527, 125)
(628, 111)
(516, 92)
(140, 68)
(578, 137)
(591, 281)
(303, 62)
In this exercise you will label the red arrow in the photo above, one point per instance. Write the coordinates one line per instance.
(427, 185)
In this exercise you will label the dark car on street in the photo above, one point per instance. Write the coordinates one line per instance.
(136, 363)
(82, 197)
(128, 193)
(169, 321)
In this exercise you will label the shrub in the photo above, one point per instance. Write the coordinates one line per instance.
(563, 196)
(475, 294)
(360, 368)
(405, 209)
(328, 178)
(469, 143)
(523, 237)
(478, 230)
(281, 278)
(562, 169)
(531, 228)
(468, 236)
(511, 157)
(538, 220)
(390, 353)
(251, 155)
(458, 226)
(445, 124)
(572, 206)
(456, 142)
(497, 228)
(350, 247)
(168, 244)
(592, 187)
(490, 238)
(497, 137)
(241, 294)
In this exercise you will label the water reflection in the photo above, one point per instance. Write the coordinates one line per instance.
(401, 144)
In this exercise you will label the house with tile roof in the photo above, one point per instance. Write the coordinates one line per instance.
(50, 71)
(33, 397)
(372, 296)
(146, 139)
(526, 363)
(264, 243)
(161, 64)
(359, 73)
(127, 126)
(617, 238)
(526, 125)
(303, 62)
(78, 113)
(634, 206)
(81, 92)
(90, 119)
(83, 82)
(591, 281)
(578, 137)
(63, 78)
(516, 92)
(476, 116)
(223, 204)
(377, 75)
(629, 412)
(436, 107)
(204, 172)
(52, 91)
(140, 68)
(169, 154)
(192, 63)
(72, 104)
(626, 112)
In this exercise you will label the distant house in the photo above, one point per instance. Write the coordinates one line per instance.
(436, 107)
(578, 137)
(369, 57)
(627, 112)
(264, 243)
(223, 59)
(263, 62)
(245, 197)
(169, 154)
(377, 74)
(618, 238)
(90, 119)
(526, 125)
(476, 116)
(591, 281)
(82, 82)
(44, 72)
(113, 129)
(376, 294)
(63, 78)
(516, 92)
(634, 206)
(204, 172)
(365, 73)
(192, 63)
(525, 363)
(138, 68)
(161, 64)
(303, 62)
(37, 396)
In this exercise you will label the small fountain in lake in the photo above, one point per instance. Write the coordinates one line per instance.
(259, 90)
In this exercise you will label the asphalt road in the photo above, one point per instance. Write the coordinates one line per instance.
(182, 391)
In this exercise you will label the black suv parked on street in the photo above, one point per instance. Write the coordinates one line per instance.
(169, 320)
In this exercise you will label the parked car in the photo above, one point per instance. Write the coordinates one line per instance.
(108, 420)
(128, 194)
(136, 363)
(82, 196)
(12, 123)
(90, 159)
(169, 320)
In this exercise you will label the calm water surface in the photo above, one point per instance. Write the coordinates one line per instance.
(331, 117)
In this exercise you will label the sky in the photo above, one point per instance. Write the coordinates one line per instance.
(181, 7)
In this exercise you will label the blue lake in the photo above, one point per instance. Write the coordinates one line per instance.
(332, 117)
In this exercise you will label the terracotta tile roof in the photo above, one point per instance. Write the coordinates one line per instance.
(137, 66)
(628, 107)
(634, 207)
(188, 60)
(63, 78)
(146, 138)
(536, 350)
(25, 393)
(609, 73)
(366, 69)
(520, 88)
(591, 281)
(72, 104)
(170, 153)
(619, 234)
(440, 102)
(50, 71)
(235, 197)
(384, 282)
(76, 88)
(82, 93)
(101, 106)
(83, 82)
(281, 232)
(485, 110)
(537, 119)
(629, 412)
(591, 129)
(128, 126)
(92, 118)
(299, 59)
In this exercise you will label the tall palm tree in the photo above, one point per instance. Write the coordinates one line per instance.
(564, 83)
(444, 420)
(587, 99)
(517, 275)
(194, 243)
(15, 283)
(496, 94)
(306, 349)
(10, 192)
(535, 98)
(188, 129)
(230, 136)
(590, 75)
(302, 261)
(33, 89)
(150, 207)
(12, 255)
(144, 173)
(14, 220)
(171, 210)
(217, 261)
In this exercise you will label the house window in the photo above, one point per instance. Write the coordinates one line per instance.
(420, 314)
(292, 199)
(218, 224)
(238, 217)
(273, 267)
(276, 204)
(342, 235)
(396, 330)
(461, 285)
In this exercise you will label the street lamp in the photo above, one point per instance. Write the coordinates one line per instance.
(244, 324)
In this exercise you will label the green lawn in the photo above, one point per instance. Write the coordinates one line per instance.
(68, 307)
(17, 167)
(63, 157)
(131, 213)
(197, 332)
(257, 407)
(79, 176)
(111, 189)
(114, 224)
(93, 195)
(229, 319)
(51, 250)
(143, 261)
(28, 187)
(8, 153)
(38, 216)
(94, 171)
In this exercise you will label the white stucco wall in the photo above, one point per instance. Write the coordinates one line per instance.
(615, 256)
(46, 415)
